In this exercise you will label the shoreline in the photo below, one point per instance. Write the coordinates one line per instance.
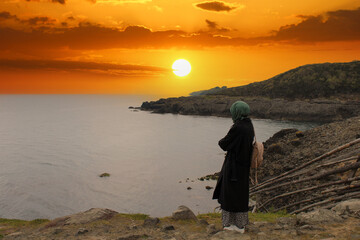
(314, 110)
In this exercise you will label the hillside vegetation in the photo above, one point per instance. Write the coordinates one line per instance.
(336, 80)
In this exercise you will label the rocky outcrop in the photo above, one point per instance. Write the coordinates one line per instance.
(318, 110)
(290, 149)
(91, 215)
(184, 213)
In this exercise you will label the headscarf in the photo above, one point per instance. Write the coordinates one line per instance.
(239, 110)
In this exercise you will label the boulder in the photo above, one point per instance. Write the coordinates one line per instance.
(184, 213)
(88, 216)
(151, 222)
(318, 216)
(349, 207)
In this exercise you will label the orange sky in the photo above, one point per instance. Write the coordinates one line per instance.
(128, 46)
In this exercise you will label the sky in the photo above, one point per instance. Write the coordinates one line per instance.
(129, 46)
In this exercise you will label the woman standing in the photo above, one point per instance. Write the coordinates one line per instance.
(232, 188)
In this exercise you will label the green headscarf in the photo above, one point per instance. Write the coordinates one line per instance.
(239, 110)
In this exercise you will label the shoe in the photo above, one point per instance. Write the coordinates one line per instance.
(229, 228)
(235, 228)
(240, 230)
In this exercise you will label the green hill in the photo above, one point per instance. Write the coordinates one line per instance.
(326, 80)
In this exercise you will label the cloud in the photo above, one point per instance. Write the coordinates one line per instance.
(119, 2)
(213, 26)
(6, 16)
(341, 25)
(40, 20)
(215, 6)
(104, 68)
(54, 1)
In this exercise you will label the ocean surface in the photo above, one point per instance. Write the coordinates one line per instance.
(54, 147)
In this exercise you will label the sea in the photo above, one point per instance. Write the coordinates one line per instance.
(54, 147)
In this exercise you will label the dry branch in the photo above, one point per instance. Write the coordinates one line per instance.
(319, 166)
(326, 201)
(279, 177)
(341, 188)
(308, 189)
(321, 175)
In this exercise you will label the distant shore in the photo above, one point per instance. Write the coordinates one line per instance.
(315, 110)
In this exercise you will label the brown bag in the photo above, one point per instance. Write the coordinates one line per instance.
(257, 154)
(256, 158)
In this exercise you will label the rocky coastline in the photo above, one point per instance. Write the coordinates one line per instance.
(311, 110)
(342, 222)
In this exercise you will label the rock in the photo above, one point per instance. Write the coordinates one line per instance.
(151, 222)
(15, 234)
(184, 213)
(168, 228)
(208, 187)
(88, 216)
(286, 221)
(318, 216)
(104, 175)
(211, 229)
(189, 188)
(311, 227)
(230, 235)
(82, 231)
(133, 237)
(252, 228)
(350, 207)
(57, 231)
(299, 134)
(275, 148)
(203, 222)
(355, 236)
(295, 142)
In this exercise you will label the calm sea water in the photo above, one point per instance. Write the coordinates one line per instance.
(53, 148)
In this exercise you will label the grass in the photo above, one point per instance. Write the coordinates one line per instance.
(21, 223)
(253, 217)
(267, 217)
(133, 216)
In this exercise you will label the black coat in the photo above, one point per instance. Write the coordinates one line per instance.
(232, 188)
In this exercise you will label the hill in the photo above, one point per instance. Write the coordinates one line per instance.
(326, 80)
(319, 92)
(210, 91)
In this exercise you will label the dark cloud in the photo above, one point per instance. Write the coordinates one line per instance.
(213, 26)
(54, 1)
(32, 21)
(215, 6)
(6, 16)
(107, 68)
(39, 21)
(341, 25)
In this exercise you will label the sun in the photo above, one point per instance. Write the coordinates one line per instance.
(181, 67)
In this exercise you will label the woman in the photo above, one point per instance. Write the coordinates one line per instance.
(232, 188)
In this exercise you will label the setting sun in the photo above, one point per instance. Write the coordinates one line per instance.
(181, 67)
